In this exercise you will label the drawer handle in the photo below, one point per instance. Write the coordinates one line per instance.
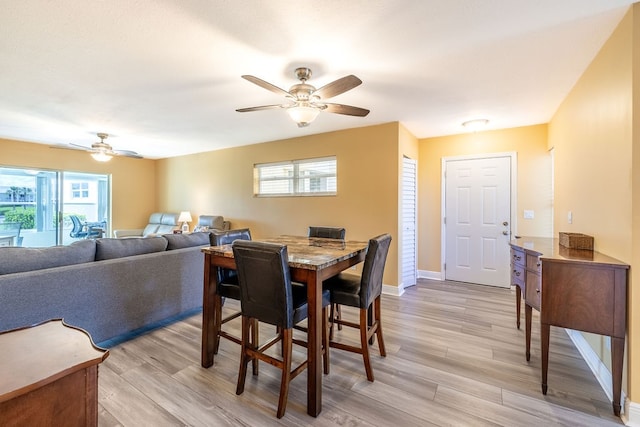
(538, 264)
(517, 258)
(517, 274)
(537, 291)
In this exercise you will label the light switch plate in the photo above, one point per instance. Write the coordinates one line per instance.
(528, 214)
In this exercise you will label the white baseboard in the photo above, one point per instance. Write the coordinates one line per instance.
(630, 410)
(433, 275)
(392, 290)
(631, 416)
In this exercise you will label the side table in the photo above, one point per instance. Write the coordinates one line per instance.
(49, 376)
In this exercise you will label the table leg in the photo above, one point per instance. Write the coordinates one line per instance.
(208, 315)
(518, 302)
(617, 355)
(544, 346)
(314, 350)
(527, 329)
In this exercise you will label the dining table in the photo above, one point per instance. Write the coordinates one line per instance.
(311, 261)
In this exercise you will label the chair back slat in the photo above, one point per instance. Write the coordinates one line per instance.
(265, 282)
(226, 275)
(373, 270)
(327, 232)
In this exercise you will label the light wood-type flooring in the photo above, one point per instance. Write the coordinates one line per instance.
(454, 358)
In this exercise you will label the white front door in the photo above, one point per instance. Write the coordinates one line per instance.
(477, 220)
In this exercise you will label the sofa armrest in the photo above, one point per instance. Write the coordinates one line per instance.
(134, 232)
(226, 225)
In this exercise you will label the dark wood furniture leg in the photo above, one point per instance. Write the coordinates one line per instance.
(617, 356)
(314, 338)
(518, 302)
(527, 330)
(544, 348)
(208, 315)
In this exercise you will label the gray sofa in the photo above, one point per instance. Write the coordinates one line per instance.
(113, 288)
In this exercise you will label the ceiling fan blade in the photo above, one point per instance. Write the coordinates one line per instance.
(266, 85)
(127, 153)
(338, 86)
(345, 109)
(262, 107)
(78, 147)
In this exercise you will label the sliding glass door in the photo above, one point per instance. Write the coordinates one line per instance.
(36, 205)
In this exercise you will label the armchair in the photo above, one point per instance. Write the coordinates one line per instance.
(212, 223)
(159, 223)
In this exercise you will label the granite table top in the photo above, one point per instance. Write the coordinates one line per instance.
(310, 253)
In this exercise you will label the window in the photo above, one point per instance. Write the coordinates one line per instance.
(80, 190)
(310, 177)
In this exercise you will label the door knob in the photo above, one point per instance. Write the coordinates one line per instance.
(505, 223)
(505, 232)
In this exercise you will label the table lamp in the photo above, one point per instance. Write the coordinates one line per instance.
(185, 219)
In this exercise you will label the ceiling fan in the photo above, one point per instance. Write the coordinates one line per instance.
(305, 102)
(103, 152)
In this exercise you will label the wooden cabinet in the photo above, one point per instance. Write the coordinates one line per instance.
(575, 289)
(49, 376)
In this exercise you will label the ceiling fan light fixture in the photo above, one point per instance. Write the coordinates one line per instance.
(101, 156)
(303, 115)
(475, 125)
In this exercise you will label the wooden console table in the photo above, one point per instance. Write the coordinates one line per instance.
(574, 289)
(49, 376)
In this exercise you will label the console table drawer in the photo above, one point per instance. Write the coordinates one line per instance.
(533, 289)
(517, 274)
(517, 257)
(534, 263)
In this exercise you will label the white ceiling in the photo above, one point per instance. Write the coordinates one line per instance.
(163, 76)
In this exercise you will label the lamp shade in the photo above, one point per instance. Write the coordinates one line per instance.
(101, 156)
(185, 216)
(303, 114)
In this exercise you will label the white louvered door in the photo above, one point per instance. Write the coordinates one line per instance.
(409, 192)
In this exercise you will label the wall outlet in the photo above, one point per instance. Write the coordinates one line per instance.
(528, 214)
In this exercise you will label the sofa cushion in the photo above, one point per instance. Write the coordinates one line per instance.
(150, 229)
(15, 259)
(118, 248)
(179, 241)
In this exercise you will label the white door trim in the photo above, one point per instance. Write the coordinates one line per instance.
(514, 182)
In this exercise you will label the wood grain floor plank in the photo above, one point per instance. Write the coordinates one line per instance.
(454, 358)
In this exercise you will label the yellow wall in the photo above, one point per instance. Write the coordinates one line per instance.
(533, 173)
(132, 180)
(593, 139)
(221, 183)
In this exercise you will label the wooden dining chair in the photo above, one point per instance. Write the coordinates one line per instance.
(227, 287)
(362, 292)
(330, 233)
(266, 295)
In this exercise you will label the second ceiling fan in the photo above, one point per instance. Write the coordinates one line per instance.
(305, 102)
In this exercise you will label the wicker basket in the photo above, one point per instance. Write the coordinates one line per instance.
(576, 241)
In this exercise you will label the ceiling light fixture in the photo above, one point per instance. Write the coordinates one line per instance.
(303, 114)
(101, 156)
(476, 124)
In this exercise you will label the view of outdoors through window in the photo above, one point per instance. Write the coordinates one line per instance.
(31, 200)
(296, 178)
